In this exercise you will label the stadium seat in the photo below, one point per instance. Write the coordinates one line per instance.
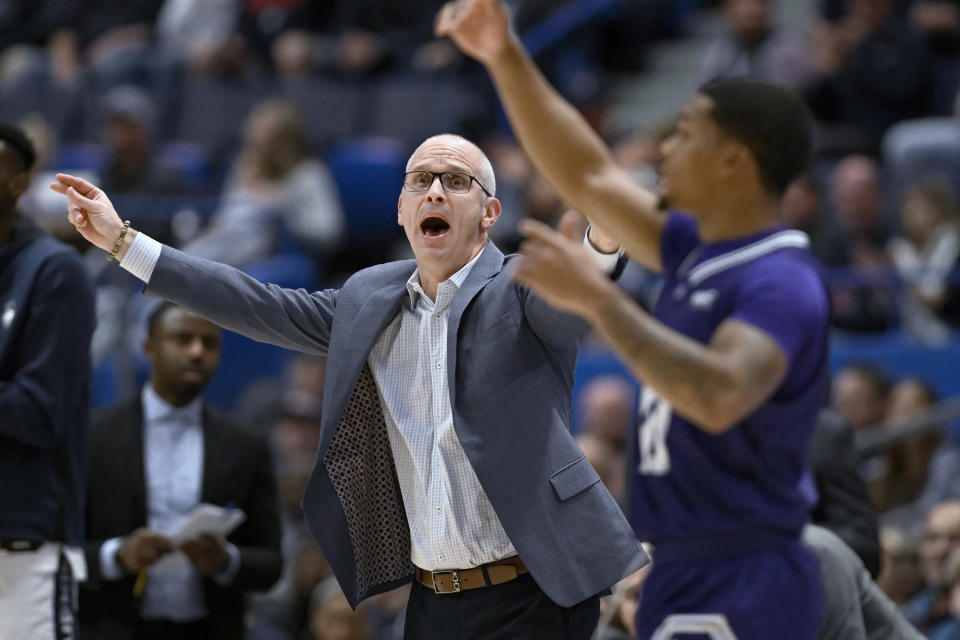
(331, 110)
(212, 113)
(242, 360)
(368, 173)
(920, 148)
(414, 107)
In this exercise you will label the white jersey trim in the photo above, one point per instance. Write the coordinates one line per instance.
(713, 266)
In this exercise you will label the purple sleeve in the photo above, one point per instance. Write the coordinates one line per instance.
(785, 298)
(679, 238)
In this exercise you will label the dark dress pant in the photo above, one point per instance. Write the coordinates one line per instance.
(515, 610)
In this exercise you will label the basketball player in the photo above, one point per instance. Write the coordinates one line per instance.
(733, 360)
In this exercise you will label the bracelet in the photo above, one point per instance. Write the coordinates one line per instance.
(116, 248)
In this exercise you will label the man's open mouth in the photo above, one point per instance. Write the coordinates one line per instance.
(433, 226)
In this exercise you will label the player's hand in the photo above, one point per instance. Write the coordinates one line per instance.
(558, 269)
(206, 553)
(141, 549)
(89, 210)
(480, 28)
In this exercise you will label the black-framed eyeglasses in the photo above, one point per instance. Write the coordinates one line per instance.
(451, 181)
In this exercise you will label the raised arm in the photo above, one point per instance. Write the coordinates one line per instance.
(566, 151)
(293, 319)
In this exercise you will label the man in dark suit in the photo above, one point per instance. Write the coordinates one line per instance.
(445, 452)
(153, 460)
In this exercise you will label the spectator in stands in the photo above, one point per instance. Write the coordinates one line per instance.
(752, 46)
(35, 43)
(202, 35)
(872, 71)
(856, 198)
(331, 617)
(925, 256)
(113, 40)
(949, 628)
(130, 165)
(861, 393)
(906, 462)
(286, 35)
(924, 470)
(277, 191)
(941, 537)
(608, 409)
(135, 501)
(372, 36)
(900, 576)
(858, 242)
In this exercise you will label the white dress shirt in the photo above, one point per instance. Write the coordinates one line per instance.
(452, 523)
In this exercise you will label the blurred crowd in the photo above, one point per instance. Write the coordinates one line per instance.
(271, 135)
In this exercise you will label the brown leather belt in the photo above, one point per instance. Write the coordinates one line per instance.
(457, 580)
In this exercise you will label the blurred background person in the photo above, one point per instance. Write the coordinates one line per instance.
(277, 189)
(900, 576)
(925, 255)
(753, 46)
(941, 537)
(860, 393)
(153, 459)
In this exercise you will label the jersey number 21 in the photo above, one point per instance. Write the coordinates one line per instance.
(654, 420)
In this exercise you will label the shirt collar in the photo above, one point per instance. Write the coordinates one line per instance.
(456, 280)
(156, 409)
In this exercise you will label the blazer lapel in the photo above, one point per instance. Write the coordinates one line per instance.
(489, 265)
(372, 318)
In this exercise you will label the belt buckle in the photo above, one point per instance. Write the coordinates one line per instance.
(454, 575)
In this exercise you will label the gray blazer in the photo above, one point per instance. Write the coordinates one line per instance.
(510, 366)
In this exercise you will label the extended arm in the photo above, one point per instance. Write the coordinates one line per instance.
(714, 385)
(566, 151)
(293, 319)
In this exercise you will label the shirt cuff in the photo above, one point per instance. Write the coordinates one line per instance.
(110, 569)
(225, 577)
(142, 256)
(606, 261)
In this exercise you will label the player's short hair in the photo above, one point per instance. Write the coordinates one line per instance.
(19, 142)
(769, 120)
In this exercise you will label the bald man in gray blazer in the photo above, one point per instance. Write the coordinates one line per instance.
(445, 452)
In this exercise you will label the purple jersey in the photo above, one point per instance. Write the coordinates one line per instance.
(694, 491)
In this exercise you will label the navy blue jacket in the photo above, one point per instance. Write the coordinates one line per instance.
(46, 321)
